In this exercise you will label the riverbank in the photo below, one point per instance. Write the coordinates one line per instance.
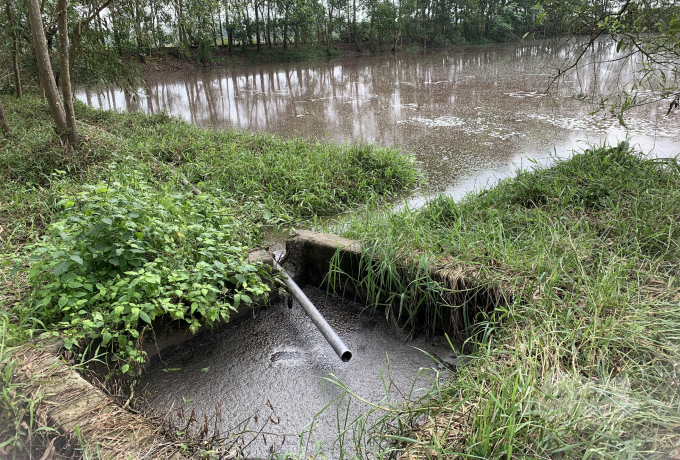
(576, 353)
(563, 281)
(171, 59)
(101, 239)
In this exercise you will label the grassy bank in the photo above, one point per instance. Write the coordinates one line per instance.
(99, 240)
(564, 282)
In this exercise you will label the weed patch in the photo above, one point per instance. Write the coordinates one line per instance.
(110, 238)
(98, 240)
(579, 359)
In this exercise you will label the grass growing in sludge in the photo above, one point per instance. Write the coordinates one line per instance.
(563, 282)
(98, 240)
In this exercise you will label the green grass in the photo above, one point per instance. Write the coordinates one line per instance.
(292, 178)
(284, 179)
(115, 239)
(257, 179)
(564, 282)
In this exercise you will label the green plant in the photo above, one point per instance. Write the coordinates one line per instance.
(122, 255)
(579, 358)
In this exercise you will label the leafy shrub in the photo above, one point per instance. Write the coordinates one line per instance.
(440, 41)
(121, 256)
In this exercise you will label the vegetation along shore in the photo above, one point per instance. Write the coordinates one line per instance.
(100, 241)
(566, 284)
(558, 286)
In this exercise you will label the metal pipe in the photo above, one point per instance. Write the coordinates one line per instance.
(331, 336)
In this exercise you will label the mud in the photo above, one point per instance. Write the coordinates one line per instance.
(278, 372)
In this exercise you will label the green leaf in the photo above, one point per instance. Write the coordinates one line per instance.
(540, 18)
(106, 338)
(77, 259)
(45, 301)
(144, 317)
(68, 343)
(108, 221)
(62, 268)
(125, 368)
(621, 122)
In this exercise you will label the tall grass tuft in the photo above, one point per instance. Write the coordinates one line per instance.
(579, 356)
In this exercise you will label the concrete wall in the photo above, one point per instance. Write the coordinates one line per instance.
(309, 255)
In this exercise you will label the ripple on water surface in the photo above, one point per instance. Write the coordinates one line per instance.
(281, 358)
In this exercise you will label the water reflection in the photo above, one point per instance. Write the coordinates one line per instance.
(470, 116)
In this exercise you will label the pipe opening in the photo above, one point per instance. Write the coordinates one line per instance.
(346, 356)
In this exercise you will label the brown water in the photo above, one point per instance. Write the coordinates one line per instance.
(470, 116)
(279, 367)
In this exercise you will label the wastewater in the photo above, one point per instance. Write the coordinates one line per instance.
(470, 116)
(276, 382)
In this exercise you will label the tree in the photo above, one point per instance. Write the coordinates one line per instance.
(44, 67)
(4, 125)
(15, 49)
(65, 74)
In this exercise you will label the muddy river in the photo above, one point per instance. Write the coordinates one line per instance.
(470, 115)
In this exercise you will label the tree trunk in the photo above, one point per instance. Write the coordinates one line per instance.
(44, 66)
(137, 27)
(4, 125)
(65, 74)
(354, 23)
(214, 34)
(285, 28)
(230, 33)
(274, 39)
(219, 24)
(257, 28)
(329, 38)
(15, 50)
(297, 35)
(268, 36)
